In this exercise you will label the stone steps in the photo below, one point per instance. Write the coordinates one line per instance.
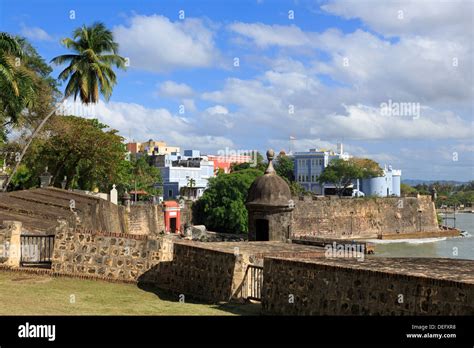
(32, 224)
(40, 199)
(40, 209)
(45, 211)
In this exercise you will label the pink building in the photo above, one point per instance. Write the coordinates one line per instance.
(225, 162)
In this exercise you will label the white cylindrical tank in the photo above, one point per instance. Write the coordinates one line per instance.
(396, 181)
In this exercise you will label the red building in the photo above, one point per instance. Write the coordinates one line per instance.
(133, 147)
(225, 162)
(172, 213)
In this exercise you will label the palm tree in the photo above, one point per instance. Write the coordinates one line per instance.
(18, 84)
(8, 47)
(89, 70)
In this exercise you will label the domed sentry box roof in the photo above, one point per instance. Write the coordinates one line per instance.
(269, 190)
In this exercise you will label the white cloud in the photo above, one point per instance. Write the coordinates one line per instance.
(264, 35)
(188, 104)
(447, 19)
(35, 33)
(174, 89)
(217, 119)
(365, 122)
(154, 43)
(416, 68)
(146, 123)
(217, 109)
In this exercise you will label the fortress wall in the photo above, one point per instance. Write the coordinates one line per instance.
(330, 217)
(322, 287)
(105, 255)
(145, 220)
(206, 274)
(10, 242)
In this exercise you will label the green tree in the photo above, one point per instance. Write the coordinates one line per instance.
(407, 190)
(222, 206)
(285, 166)
(341, 172)
(89, 71)
(257, 163)
(83, 150)
(90, 68)
(18, 84)
(140, 175)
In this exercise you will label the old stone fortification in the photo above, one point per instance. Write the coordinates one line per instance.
(10, 232)
(198, 272)
(374, 286)
(332, 217)
(216, 271)
(106, 255)
(145, 220)
(40, 210)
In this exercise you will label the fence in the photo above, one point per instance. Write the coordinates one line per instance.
(36, 250)
(253, 280)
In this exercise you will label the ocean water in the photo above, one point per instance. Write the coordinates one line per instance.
(456, 247)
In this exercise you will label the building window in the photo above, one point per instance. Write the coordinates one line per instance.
(170, 193)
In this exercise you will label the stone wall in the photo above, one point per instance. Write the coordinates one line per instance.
(105, 255)
(40, 209)
(187, 213)
(10, 232)
(145, 220)
(330, 217)
(371, 287)
(211, 275)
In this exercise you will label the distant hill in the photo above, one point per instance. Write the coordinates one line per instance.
(414, 182)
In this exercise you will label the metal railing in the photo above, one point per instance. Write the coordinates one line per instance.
(36, 250)
(252, 285)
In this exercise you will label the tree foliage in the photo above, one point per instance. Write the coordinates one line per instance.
(448, 194)
(406, 190)
(285, 167)
(90, 68)
(19, 84)
(137, 173)
(341, 172)
(80, 149)
(258, 163)
(222, 206)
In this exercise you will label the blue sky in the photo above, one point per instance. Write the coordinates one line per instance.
(334, 64)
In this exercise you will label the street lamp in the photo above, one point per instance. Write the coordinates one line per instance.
(64, 182)
(419, 219)
(352, 215)
(3, 178)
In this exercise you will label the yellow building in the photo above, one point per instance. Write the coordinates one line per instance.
(157, 147)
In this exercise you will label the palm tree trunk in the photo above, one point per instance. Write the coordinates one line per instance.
(29, 143)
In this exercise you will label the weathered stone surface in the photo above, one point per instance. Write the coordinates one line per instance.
(375, 286)
(330, 217)
(106, 255)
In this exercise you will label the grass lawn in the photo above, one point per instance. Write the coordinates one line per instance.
(29, 294)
